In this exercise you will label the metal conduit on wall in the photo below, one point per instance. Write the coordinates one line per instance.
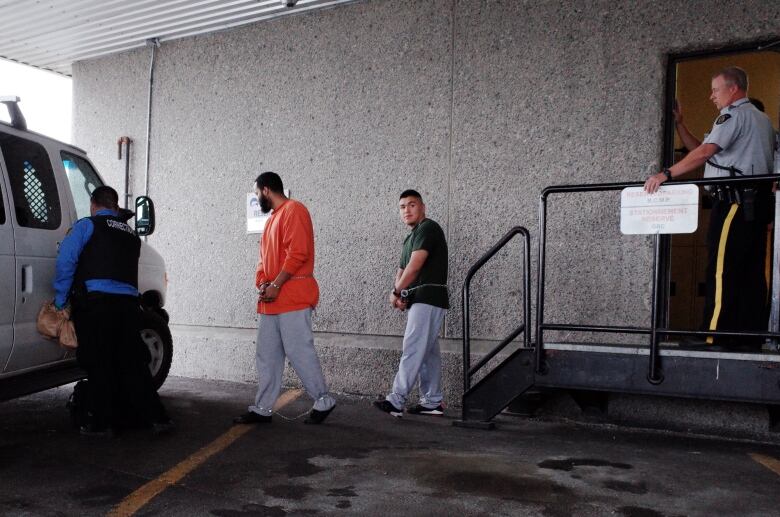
(153, 43)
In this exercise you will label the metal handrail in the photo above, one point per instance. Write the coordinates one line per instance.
(654, 375)
(468, 370)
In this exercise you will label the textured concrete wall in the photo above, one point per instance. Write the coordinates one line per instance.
(108, 104)
(345, 359)
(477, 104)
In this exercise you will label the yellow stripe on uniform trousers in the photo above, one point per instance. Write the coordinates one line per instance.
(724, 237)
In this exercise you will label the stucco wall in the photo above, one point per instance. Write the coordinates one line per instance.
(477, 104)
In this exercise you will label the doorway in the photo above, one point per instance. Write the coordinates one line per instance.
(689, 84)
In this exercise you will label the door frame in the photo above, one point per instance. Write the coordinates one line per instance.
(673, 59)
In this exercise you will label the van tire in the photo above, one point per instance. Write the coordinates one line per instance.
(157, 337)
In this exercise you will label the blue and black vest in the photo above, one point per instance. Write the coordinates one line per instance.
(110, 254)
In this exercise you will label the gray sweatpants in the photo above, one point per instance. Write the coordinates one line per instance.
(420, 356)
(287, 334)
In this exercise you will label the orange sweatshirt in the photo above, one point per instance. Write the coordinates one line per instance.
(288, 244)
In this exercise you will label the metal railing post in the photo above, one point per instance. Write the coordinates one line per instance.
(774, 312)
(653, 376)
(468, 371)
(539, 334)
(466, 336)
(527, 290)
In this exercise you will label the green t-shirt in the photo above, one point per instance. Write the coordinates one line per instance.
(430, 285)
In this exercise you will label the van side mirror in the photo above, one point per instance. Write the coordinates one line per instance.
(144, 216)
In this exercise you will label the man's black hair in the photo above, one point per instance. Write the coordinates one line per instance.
(272, 181)
(411, 193)
(105, 197)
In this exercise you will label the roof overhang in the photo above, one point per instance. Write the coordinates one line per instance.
(54, 34)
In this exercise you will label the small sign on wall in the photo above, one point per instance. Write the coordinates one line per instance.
(672, 209)
(255, 218)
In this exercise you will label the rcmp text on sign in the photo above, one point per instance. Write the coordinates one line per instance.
(672, 209)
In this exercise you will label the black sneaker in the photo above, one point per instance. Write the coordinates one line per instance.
(250, 417)
(387, 407)
(317, 417)
(422, 410)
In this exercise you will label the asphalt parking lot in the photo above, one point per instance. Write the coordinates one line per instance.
(363, 462)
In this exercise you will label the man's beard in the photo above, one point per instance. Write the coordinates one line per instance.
(265, 204)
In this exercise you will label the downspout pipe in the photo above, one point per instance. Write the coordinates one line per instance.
(125, 141)
(154, 43)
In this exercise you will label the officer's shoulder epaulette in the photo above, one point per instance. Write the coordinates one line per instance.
(723, 118)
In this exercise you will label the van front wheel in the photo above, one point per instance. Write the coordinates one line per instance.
(157, 336)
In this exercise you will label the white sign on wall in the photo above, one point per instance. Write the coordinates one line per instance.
(672, 209)
(255, 218)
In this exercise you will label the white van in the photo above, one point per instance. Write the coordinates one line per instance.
(45, 186)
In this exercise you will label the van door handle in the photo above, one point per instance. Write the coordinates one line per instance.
(27, 279)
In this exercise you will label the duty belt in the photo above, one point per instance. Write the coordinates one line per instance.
(743, 196)
(726, 193)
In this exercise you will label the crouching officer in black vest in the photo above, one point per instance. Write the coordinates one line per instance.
(97, 273)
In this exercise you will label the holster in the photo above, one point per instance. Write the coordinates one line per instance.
(749, 195)
(754, 200)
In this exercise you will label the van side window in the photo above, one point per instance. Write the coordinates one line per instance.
(82, 179)
(33, 187)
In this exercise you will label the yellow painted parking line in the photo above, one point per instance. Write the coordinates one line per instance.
(141, 497)
(767, 461)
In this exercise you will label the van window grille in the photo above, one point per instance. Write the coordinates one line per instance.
(34, 196)
(33, 192)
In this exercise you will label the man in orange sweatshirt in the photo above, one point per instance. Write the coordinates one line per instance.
(288, 294)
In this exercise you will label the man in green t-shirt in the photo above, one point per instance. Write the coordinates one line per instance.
(421, 287)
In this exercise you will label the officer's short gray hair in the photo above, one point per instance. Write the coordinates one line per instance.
(734, 75)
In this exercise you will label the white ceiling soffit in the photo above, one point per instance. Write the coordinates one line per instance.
(53, 34)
